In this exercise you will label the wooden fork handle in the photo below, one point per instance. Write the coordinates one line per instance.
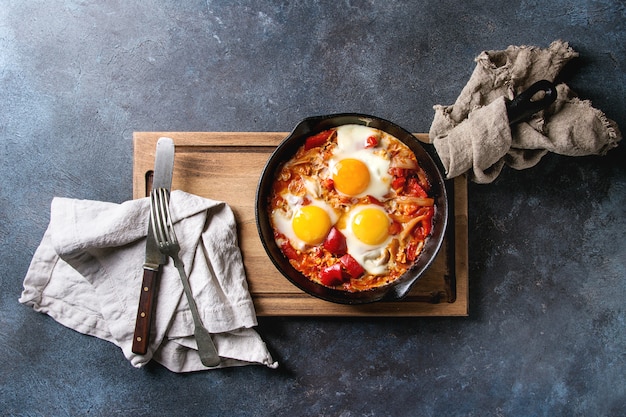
(143, 323)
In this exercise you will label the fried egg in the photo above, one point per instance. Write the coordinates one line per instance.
(306, 221)
(366, 228)
(357, 170)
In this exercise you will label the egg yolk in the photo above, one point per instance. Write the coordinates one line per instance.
(311, 224)
(351, 176)
(371, 226)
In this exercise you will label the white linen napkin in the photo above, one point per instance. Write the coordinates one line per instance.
(87, 273)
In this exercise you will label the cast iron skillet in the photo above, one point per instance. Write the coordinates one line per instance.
(287, 149)
(518, 109)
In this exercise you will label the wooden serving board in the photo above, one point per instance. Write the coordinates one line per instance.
(226, 166)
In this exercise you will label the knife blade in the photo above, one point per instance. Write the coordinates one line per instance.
(162, 178)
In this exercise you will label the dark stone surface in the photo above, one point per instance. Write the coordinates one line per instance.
(546, 332)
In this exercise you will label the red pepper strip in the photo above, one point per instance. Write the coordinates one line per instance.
(413, 188)
(317, 140)
(398, 183)
(332, 275)
(427, 222)
(411, 251)
(335, 242)
(288, 250)
(371, 142)
(353, 268)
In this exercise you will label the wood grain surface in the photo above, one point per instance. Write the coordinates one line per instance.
(226, 166)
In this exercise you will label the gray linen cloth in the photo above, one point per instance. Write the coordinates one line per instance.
(473, 134)
(87, 273)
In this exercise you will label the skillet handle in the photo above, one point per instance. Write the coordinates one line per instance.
(522, 106)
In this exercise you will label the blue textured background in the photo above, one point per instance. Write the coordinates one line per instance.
(546, 333)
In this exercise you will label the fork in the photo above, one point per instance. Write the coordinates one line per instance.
(168, 244)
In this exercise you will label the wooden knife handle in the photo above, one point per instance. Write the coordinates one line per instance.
(143, 324)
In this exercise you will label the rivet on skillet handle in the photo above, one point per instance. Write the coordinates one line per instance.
(522, 106)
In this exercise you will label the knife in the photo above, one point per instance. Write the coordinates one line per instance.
(162, 178)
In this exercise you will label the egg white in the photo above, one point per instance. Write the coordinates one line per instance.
(371, 257)
(351, 141)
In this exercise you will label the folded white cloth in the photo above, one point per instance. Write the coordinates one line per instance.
(87, 273)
